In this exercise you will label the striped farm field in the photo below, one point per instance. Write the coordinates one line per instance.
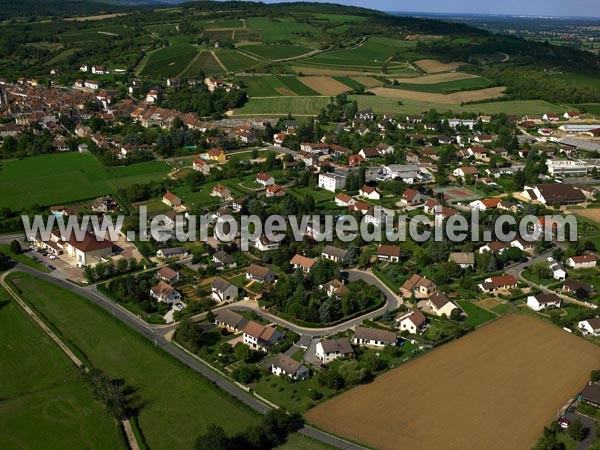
(434, 66)
(325, 85)
(447, 87)
(169, 61)
(273, 86)
(236, 61)
(436, 78)
(367, 82)
(446, 99)
(467, 394)
(206, 63)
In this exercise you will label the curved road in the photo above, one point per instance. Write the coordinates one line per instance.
(150, 333)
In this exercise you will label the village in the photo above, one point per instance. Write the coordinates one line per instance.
(297, 322)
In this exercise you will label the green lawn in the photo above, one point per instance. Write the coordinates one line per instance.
(67, 177)
(45, 401)
(211, 24)
(297, 86)
(276, 51)
(350, 82)
(475, 315)
(94, 34)
(274, 86)
(298, 441)
(170, 61)
(175, 398)
(502, 309)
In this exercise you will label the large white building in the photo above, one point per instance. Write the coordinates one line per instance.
(569, 167)
(332, 181)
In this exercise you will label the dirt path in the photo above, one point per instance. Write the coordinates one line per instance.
(219, 61)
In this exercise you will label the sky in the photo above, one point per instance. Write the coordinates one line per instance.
(588, 8)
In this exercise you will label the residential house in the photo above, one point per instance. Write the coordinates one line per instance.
(335, 288)
(591, 394)
(215, 154)
(413, 321)
(264, 244)
(165, 293)
(174, 252)
(265, 179)
(200, 165)
(463, 259)
(578, 288)
(389, 253)
(411, 197)
(485, 204)
(167, 274)
(222, 192)
(557, 269)
(418, 286)
(230, 320)
(171, 200)
(327, 351)
(105, 204)
(369, 192)
(282, 364)
(407, 173)
(369, 153)
(223, 291)
(316, 147)
(499, 283)
(374, 337)
(342, 199)
(441, 305)
(223, 260)
(275, 191)
(589, 327)
(302, 262)
(495, 247)
(582, 262)
(260, 274)
(335, 254)
(463, 172)
(543, 301)
(260, 337)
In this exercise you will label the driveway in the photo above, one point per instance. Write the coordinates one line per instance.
(591, 437)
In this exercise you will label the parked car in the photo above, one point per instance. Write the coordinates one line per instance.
(51, 267)
(564, 423)
(53, 257)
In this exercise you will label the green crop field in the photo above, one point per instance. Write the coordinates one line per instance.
(371, 55)
(591, 108)
(446, 87)
(45, 401)
(283, 105)
(212, 24)
(350, 82)
(94, 34)
(236, 61)
(294, 84)
(206, 63)
(282, 30)
(169, 61)
(66, 177)
(175, 399)
(276, 51)
(339, 18)
(475, 315)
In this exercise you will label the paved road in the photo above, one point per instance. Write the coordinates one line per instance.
(160, 340)
(393, 301)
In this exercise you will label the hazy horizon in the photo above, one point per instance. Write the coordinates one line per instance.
(574, 8)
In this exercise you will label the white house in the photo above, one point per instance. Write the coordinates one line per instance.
(411, 197)
(335, 254)
(164, 292)
(558, 271)
(265, 179)
(264, 244)
(223, 291)
(374, 337)
(582, 262)
(369, 192)
(328, 351)
(441, 305)
(332, 181)
(413, 321)
(589, 327)
(344, 200)
(260, 337)
(543, 301)
(282, 364)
